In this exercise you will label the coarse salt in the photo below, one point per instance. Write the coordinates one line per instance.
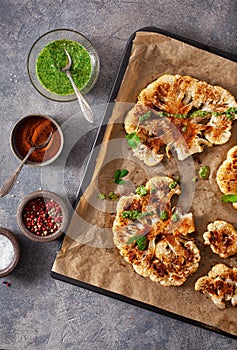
(6, 252)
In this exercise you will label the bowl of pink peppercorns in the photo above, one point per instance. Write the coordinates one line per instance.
(42, 216)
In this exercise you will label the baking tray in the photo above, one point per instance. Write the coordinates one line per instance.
(92, 163)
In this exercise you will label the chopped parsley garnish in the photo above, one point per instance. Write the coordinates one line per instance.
(179, 115)
(230, 113)
(140, 240)
(136, 214)
(118, 176)
(133, 140)
(102, 195)
(175, 217)
(142, 243)
(134, 239)
(141, 190)
(173, 184)
(161, 114)
(198, 113)
(195, 179)
(164, 215)
(113, 196)
(204, 172)
(131, 214)
(229, 198)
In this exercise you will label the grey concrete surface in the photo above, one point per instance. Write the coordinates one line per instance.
(36, 311)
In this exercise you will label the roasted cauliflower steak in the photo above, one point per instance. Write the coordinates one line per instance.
(180, 113)
(153, 236)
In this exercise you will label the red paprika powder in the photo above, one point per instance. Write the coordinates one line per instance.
(34, 130)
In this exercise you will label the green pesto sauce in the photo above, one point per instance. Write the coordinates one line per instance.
(52, 58)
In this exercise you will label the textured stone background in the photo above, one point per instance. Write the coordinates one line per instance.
(38, 312)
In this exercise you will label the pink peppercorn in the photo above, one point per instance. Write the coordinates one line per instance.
(42, 216)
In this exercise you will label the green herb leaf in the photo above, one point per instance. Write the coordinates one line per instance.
(113, 196)
(133, 140)
(175, 217)
(229, 198)
(178, 180)
(102, 195)
(140, 240)
(131, 214)
(173, 184)
(142, 243)
(195, 179)
(161, 114)
(179, 115)
(141, 190)
(117, 174)
(136, 214)
(123, 173)
(231, 113)
(199, 113)
(119, 182)
(204, 172)
(134, 239)
(164, 215)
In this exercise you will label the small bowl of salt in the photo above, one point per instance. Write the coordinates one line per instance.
(9, 252)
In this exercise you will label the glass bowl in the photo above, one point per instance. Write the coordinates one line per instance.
(19, 134)
(43, 216)
(62, 34)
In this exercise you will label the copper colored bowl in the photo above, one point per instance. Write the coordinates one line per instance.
(43, 196)
(18, 135)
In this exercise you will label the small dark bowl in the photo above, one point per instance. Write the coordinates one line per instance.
(45, 195)
(15, 134)
(6, 271)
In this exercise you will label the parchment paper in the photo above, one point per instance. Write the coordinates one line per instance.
(87, 253)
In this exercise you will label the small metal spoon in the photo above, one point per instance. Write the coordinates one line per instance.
(86, 110)
(9, 183)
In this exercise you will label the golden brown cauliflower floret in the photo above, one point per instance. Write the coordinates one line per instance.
(222, 238)
(226, 176)
(220, 285)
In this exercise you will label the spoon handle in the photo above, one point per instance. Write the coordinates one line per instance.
(9, 183)
(82, 102)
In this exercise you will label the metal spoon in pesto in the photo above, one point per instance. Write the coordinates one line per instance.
(86, 110)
